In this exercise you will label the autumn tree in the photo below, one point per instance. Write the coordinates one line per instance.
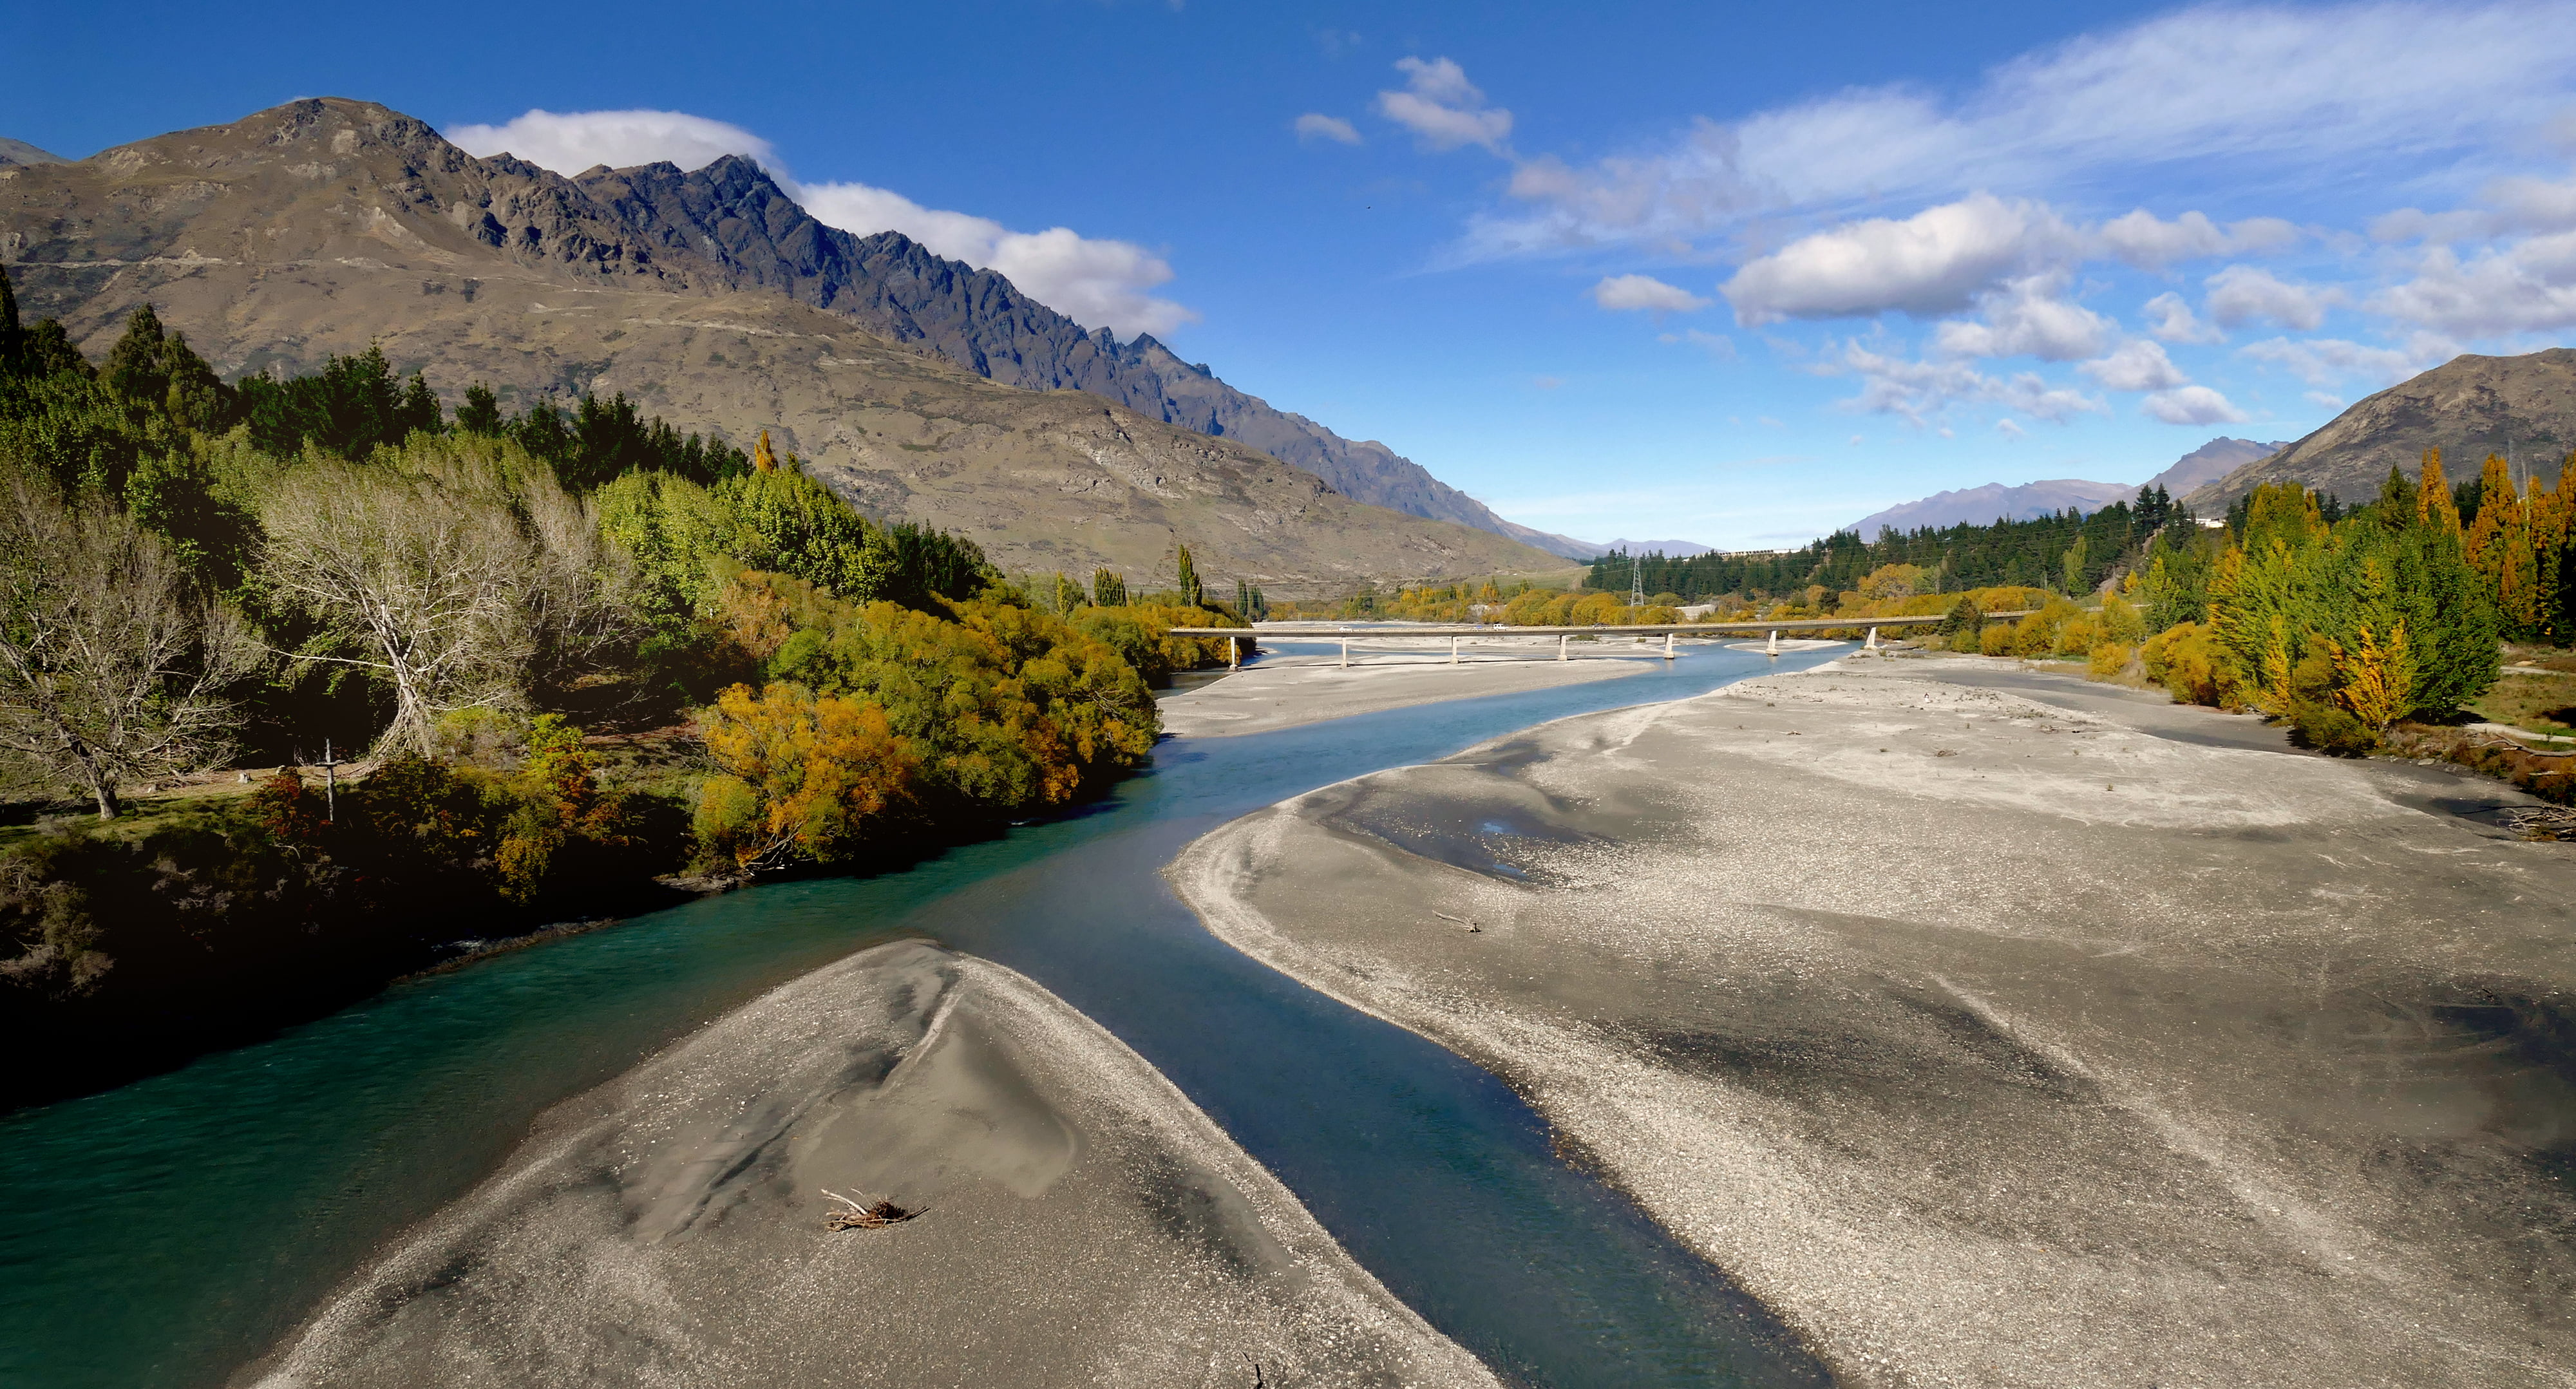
(111, 669)
(799, 775)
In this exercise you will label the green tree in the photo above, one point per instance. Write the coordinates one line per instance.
(13, 339)
(481, 413)
(1191, 593)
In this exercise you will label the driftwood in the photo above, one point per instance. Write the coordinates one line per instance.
(1472, 926)
(2542, 822)
(859, 1214)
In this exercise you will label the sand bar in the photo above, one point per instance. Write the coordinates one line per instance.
(1082, 1223)
(1284, 690)
(1992, 1041)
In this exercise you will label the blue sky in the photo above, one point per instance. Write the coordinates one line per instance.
(1722, 273)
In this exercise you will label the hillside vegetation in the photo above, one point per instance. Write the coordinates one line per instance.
(573, 652)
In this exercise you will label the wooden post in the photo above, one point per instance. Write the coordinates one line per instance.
(1560, 646)
(330, 785)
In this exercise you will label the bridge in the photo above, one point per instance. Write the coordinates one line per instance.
(1669, 631)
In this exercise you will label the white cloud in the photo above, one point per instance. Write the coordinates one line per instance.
(2240, 294)
(2191, 405)
(2136, 365)
(2306, 95)
(1633, 292)
(2531, 204)
(2010, 430)
(2150, 244)
(2027, 317)
(1934, 262)
(2529, 287)
(1717, 345)
(2169, 318)
(1916, 391)
(1097, 282)
(570, 142)
(1442, 108)
(1315, 125)
(2328, 361)
(2325, 399)
(1101, 283)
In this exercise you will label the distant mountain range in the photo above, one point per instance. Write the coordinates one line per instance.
(1669, 549)
(20, 152)
(921, 388)
(1980, 505)
(2523, 407)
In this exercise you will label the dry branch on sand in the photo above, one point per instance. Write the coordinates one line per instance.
(856, 1214)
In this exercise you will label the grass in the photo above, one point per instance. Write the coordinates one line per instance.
(2535, 702)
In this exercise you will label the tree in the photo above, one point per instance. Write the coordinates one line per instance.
(798, 775)
(111, 669)
(1108, 590)
(12, 337)
(481, 413)
(1191, 593)
(458, 570)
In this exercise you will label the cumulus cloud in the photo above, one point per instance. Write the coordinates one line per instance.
(2172, 320)
(1315, 125)
(2028, 317)
(1936, 261)
(2136, 365)
(1635, 292)
(2191, 405)
(2149, 243)
(2529, 287)
(569, 142)
(1102, 283)
(2240, 294)
(2306, 93)
(2328, 361)
(1442, 108)
(1915, 391)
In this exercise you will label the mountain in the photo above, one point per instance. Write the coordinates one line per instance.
(1980, 505)
(2210, 462)
(321, 226)
(734, 212)
(1669, 549)
(2468, 408)
(20, 152)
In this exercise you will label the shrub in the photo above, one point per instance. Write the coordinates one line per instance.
(2186, 660)
(2330, 729)
(2108, 660)
(1996, 641)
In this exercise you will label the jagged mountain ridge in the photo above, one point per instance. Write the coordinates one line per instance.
(2468, 407)
(2212, 461)
(734, 211)
(325, 225)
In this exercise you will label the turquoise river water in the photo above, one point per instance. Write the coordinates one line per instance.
(169, 1231)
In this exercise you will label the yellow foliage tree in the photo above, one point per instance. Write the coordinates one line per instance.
(2433, 504)
(799, 775)
(2376, 676)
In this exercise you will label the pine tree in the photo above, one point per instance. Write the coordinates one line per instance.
(134, 368)
(481, 413)
(12, 339)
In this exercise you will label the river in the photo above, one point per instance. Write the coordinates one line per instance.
(168, 1231)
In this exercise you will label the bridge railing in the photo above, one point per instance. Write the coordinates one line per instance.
(1669, 631)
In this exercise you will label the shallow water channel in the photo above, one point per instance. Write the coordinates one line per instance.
(169, 1231)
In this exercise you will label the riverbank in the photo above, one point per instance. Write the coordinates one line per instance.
(1987, 1040)
(1080, 1221)
(1285, 690)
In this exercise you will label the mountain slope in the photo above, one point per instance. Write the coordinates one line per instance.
(20, 152)
(321, 226)
(2210, 462)
(735, 213)
(2468, 408)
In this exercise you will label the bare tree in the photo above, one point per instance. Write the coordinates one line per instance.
(457, 568)
(111, 669)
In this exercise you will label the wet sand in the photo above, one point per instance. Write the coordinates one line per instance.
(1082, 1222)
(1992, 1029)
(1282, 691)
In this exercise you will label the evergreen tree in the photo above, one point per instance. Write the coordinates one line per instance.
(134, 366)
(1191, 594)
(12, 338)
(481, 413)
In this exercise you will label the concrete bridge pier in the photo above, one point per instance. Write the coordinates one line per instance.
(1453, 651)
(1872, 643)
(1668, 646)
(1774, 648)
(1346, 653)
(1560, 646)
